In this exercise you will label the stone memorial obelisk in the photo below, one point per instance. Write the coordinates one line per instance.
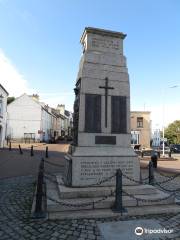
(102, 136)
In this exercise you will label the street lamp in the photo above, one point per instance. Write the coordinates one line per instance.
(174, 86)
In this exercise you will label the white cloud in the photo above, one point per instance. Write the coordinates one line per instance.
(15, 83)
(10, 77)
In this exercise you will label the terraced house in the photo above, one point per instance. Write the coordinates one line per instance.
(3, 114)
(30, 119)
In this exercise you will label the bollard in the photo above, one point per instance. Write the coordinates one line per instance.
(47, 155)
(154, 159)
(41, 166)
(169, 154)
(39, 213)
(142, 154)
(118, 205)
(151, 173)
(20, 150)
(32, 152)
(9, 146)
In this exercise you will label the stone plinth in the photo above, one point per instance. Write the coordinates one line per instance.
(90, 165)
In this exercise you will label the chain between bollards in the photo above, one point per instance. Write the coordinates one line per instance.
(118, 205)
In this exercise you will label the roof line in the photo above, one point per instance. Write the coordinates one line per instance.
(4, 89)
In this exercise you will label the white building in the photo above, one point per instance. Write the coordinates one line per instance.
(3, 114)
(28, 118)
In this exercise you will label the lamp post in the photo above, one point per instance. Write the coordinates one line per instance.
(174, 86)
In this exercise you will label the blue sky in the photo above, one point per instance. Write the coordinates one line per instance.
(39, 41)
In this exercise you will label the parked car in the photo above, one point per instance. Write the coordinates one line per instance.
(175, 148)
(167, 149)
(68, 138)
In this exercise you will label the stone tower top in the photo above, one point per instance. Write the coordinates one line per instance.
(95, 39)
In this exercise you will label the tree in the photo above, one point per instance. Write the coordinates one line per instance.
(10, 99)
(172, 132)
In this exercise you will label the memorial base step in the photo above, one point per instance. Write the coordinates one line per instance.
(99, 191)
(108, 213)
(61, 200)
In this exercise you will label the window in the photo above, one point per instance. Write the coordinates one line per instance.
(135, 137)
(139, 122)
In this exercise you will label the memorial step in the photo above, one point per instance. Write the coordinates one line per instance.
(96, 203)
(90, 192)
(106, 213)
(100, 209)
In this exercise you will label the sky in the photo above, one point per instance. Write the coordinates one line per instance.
(40, 49)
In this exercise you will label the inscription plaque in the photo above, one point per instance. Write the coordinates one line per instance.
(105, 43)
(118, 114)
(105, 140)
(92, 113)
(92, 170)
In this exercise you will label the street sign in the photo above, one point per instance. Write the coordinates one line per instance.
(163, 139)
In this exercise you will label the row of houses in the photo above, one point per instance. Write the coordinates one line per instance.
(27, 119)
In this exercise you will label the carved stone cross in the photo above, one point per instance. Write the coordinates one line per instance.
(106, 87)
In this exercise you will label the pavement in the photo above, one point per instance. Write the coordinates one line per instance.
(172, 165)
(144, 228)
(17, 185)
(13, 164)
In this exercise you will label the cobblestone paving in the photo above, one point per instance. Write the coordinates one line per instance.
(15, 223)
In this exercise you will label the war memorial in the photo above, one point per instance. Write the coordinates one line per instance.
(101, 141)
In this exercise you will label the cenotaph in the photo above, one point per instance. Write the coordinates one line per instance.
(101, 143)
(101, 113)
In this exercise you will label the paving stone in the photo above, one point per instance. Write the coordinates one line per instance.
(63, 236)
(91, 236)
(69, 232)
(75, 233)
(55, 234)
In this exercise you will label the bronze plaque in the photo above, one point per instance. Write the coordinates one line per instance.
(92, 113)
(118, 114)
(105, 140)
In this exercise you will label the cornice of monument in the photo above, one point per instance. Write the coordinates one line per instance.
(102, 32)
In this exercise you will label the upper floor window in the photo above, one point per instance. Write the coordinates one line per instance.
(139, 122)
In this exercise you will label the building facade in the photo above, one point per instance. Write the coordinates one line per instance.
(30, 119)
(140, 128)
(3, 114)
(66, 120)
